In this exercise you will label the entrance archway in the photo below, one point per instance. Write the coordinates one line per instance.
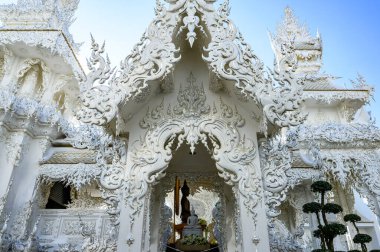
(211, 198)
(192, 121)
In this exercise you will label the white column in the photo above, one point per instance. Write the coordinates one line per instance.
(254, 239)
(131, 236)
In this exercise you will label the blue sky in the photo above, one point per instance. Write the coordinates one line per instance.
(350, 30)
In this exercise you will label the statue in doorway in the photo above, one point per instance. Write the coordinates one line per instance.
(185, 203)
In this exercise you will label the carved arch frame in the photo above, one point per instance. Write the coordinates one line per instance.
(209, 182)
(233, 153)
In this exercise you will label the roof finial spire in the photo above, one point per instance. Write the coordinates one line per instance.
(308, 50)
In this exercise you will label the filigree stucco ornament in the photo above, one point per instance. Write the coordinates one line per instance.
(80, 136)
(94, 243)
(278, 92)
(276, 161)
(42, 24)
(281, 240)
(218, 215)
(337, 95)
(347, 164)
(76, 175)
(191, 21)
(193, 124)
(307, 49)
(151, 59)
(331, 133)
(360, 83)
(100, 72)
(3, 201)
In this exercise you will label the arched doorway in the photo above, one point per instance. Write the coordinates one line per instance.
(213, 202)
(219, 130)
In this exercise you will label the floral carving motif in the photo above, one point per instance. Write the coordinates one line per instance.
(191, 100)
(75, 227)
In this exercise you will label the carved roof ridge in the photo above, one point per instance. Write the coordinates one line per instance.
(227, 54)
(39, 14)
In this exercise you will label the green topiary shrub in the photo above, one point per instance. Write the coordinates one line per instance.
(362, 239)
(321, 186)
(332, 230)
(312, 207)
(352, 218)
(326, 232)
(332, 208)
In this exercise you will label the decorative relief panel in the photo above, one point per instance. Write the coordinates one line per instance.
(49, 227)
(90, 233)
(276, 161)
(73, 227)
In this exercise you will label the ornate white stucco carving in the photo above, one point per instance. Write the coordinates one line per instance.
(19, 227)
(279, 92)
(360, 83)
(307, 50)
(276, 161)
(37, 14)
(193, 124)
(297, 198)
(331, 96)
(281, 240)
(353, 134)
(40, 15)
(84, 229)
(76, 175)
(347, 152)
(3, 201)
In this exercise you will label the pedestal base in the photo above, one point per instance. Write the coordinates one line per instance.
(191, 248)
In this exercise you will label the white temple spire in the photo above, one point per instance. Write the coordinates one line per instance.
(308, 49)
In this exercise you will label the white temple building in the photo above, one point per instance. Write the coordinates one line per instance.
(92, 161)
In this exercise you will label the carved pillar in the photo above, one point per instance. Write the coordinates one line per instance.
(131, 232)
(25, 185)
(254, 232)
(9, 79)
(13, 145)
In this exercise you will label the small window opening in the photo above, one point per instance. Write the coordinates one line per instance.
(59, 196)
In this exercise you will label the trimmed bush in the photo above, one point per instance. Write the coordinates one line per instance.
(312, 207)
(362, 238)
(321, 186)
(334, 229)
(352, 218)
(332, 208)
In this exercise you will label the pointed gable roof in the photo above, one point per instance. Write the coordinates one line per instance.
(228, 56)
